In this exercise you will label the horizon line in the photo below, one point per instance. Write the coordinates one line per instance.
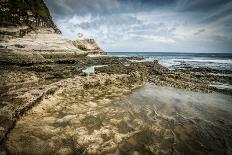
(230, 52)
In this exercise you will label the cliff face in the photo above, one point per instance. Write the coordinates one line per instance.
(88, 45)
(28, 35)
(25, 15)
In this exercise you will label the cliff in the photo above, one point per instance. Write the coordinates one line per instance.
(23, 16)
(28, 35)
(88, 45)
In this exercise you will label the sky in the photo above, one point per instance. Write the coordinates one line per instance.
(147, 25)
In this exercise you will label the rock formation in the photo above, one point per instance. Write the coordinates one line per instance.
(88, 45)
(28, 35)
(56, 107)
(38, 46)
(18, 17)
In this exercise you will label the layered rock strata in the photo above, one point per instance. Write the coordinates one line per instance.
(28, 35)
(18, 17)
(38, 46)
(88, 45)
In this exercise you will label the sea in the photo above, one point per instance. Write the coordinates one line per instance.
(172, 60)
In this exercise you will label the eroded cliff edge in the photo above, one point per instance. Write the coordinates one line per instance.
(88, 45)
(28, 35)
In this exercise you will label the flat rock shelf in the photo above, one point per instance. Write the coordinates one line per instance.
(150, 120)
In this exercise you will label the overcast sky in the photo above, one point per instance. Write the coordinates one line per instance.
(148, 25)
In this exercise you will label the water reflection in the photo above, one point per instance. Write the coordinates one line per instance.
(151, 120)
(183, 122)
(91, 69)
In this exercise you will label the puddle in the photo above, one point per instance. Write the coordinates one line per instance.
(97, 55)
(199, 123)
(192, 104)
(91, 69)
(126, 64)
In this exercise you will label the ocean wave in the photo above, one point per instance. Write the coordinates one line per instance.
(222, 61)
(181, 60)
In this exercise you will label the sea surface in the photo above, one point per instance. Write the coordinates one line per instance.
(222, 61)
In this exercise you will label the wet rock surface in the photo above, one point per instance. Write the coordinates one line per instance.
(22, 87)
(57, 107)
(88, 103)
(195, 79)
(190, 122)
(110, 122)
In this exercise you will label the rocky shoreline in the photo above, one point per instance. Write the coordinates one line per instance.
(29, 87)
(50, 103)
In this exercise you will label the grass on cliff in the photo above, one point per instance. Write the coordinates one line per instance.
(36, 6)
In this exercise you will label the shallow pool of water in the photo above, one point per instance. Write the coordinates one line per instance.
(199, 123)
(150, 120)
(91, 69)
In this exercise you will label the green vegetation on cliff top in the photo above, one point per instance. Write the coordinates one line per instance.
(37, 7)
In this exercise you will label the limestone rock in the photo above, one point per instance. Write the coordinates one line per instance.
(38, 46)
(28, 35)
(25, 15)
(20, 57)
(88, 45)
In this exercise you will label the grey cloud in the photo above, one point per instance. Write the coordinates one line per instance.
(58, 8)
(153, 29)
(114, 20)
(201, 10)
(200, 5)
(220, 13)
(63, 8)
(97, 7)
(199, 32)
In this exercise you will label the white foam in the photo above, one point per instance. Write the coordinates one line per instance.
(219, 61)
(217, 64)
(221, 85)
(96, 55)
(219, 74)
(169, 63)
(179, 61)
